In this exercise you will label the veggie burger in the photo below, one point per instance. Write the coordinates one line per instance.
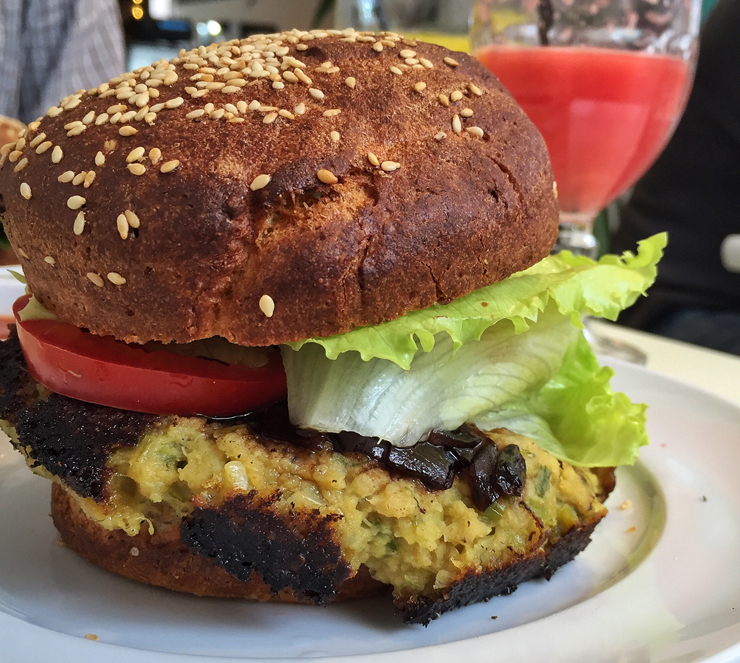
(293, 332)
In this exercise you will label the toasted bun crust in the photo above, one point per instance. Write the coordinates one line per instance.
(9, 129)
(162, 559)
(461, 211)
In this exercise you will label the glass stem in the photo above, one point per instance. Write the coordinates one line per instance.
(576, 234)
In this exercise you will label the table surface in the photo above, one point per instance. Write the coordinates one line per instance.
(714, 371)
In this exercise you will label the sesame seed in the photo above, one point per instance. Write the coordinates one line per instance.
(137, 154)
(475, 89)
(456, 125)
(351, 82)
(136, 169)
(278, 85)
(122, 225)
(411, 61)
(390, 166)
(230, 89)
(150, 117)
(127, 117)
(290, 77)
(20, 144)
(426, 63)
(377, 47)
(373, 159)
(169, 166)
(45, 146)
(269, 118)
(316, 94)
(88, 119)
(23, 253)
(475, 131)
(132, 219)
(444, 100)
(79, 224)
(101, 119)
(396, 70)
(441, 136)
(451, 62)
(54, 111)
(75, 202)
(95, 278)
(20, 165)
(14, 156)
(116, 278)
(254, 105)
(79, 178)
(327, 177)
(286, 113)
(332, 112)
(127, 131)
(260, 182)
(50, 260)
(141, 114)
(242, 106)
(466, 112)
(158, 107)
(76, 131)
(192, 115)
(110, 145)
(116, 108)
(420, 86)
(38, 140)
(267, 305)
(57, 154)
(300, 109)
(231, 109)
(335, 136)
(99, 159)
(456, 96)
(66, 176)
(26, 191)
(89, 178)
(170, 78)
(301, 47)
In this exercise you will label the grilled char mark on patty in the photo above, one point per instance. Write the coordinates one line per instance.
(72, 440)
(17, 387)
(296, 551)
(476, 587)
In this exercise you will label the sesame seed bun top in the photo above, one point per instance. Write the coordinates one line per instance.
(277, 188)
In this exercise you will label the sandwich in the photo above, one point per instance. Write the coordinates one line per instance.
(293, 332)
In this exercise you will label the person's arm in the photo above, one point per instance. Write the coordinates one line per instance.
(51, 48)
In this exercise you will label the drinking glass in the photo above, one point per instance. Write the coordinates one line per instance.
(605, 82)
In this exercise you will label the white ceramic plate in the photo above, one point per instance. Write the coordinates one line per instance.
(660, 582)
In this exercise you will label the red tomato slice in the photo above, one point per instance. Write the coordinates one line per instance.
(102, 370)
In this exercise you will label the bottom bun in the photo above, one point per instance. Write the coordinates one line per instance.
(162, 559)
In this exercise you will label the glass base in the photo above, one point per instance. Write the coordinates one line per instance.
(576, 234)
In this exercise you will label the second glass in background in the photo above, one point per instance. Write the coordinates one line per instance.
(605, 81)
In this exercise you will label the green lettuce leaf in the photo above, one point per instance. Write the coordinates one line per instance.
(577, 285)
(442, 390)
(576, 416)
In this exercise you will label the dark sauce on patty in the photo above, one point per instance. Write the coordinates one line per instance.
(436, 461)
